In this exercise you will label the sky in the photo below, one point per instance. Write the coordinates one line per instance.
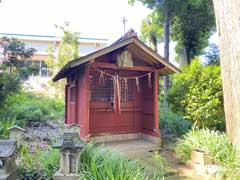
(92, 18)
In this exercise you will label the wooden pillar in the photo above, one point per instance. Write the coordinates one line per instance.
(155, 103)
(66, 103)
(86, 101)
(77, 105)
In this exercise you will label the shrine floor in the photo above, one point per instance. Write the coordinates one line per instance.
(144, 152)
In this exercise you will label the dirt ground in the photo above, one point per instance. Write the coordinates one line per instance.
(41, 136)
(147, 153)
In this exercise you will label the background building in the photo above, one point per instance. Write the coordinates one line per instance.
(39, 82)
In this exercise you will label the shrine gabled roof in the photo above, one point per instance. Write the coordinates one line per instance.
(132, 43)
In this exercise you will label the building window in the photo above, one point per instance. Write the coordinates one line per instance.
(42, 69)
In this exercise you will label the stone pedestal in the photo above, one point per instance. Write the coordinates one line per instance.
(10, 176)
(200, 157)
(60, 176)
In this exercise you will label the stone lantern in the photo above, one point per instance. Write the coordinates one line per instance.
(16, 133)
(8, 152)
(70, 146)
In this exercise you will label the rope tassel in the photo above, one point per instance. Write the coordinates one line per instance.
(149, 80)
(101, 78)
(125, 84)
(117, 95)
(137, 84)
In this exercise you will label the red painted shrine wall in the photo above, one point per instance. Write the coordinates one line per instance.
(104, 120)
(96, 116)
(79, 113)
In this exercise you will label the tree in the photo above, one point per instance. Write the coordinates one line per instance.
(14, 53)
(228, 26)
(67, 51)
(191, 23)
(165, 10)
(151, 30)
(13, 70)
(192, 26)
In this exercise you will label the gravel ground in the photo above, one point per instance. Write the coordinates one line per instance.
(40, 136)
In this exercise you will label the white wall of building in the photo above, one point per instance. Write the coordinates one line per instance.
(39, 82)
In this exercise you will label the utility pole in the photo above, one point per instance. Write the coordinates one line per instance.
(124, 20)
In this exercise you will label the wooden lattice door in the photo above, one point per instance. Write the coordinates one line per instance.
(71, 98)
(103, 116)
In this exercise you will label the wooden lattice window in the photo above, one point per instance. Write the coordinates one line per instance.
(101, 91)
(104, 91)
(72, 94)
(126, 88)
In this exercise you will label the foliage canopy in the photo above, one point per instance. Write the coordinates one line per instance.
(14, 71)
(191, 23)
(67, 51)
(197, 94)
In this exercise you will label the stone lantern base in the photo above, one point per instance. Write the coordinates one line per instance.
(10, 176)
(61, 176)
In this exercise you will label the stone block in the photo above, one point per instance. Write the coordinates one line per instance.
(200, 157)
(60, 176)
(10, 176)
(152, 139)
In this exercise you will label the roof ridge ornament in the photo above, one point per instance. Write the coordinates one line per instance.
(130, 33)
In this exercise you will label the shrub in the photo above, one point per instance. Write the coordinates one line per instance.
(214, 142)
(217, 144)
(197, 95)
(4, 127)
(171, 123)
(38, 166)
(98, 163)
(28, 107)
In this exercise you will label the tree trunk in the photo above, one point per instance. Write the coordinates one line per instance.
(154, 42)
(183, 57)
(188, 56)
(166, 54)
(228, 26)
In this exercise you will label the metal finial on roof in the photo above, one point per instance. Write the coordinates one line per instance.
(124, 20)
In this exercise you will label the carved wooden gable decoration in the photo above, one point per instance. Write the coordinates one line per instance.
(124, 59)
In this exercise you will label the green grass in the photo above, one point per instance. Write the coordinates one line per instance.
(41, 165)
(4, 127)
(217, 144)
(98, 163)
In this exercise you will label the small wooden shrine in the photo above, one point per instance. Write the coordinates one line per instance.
(112, 93)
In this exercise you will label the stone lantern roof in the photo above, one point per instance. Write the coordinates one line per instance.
(17, 128)
(7, 148)
(69, 141)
